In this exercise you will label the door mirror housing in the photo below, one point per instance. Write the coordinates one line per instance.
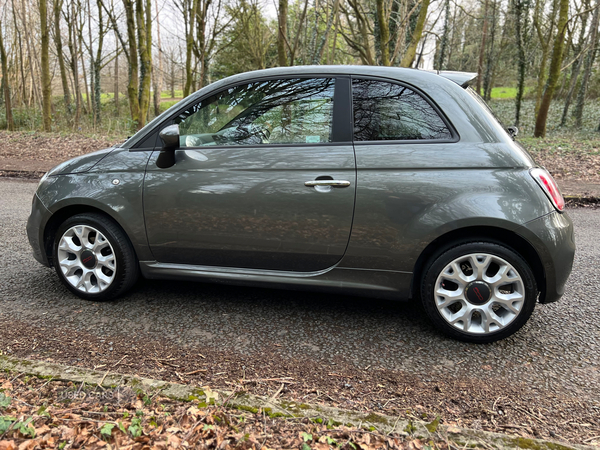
(170, 137)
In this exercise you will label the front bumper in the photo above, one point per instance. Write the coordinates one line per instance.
(553, 238)
(35, 230)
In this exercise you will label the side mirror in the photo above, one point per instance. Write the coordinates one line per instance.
(513, 131)
(170, 137)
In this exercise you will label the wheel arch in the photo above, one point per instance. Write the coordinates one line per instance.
(492, 234)
(62, 214)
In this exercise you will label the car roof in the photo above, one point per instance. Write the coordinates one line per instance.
(406, 74)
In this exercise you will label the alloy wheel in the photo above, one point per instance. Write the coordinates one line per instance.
(86, 259)
(479, 293)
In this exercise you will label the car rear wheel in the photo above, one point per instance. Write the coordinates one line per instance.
(94, 258)
(479, 292)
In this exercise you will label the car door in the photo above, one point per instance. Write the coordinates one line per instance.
(403, 144)
(264, 178)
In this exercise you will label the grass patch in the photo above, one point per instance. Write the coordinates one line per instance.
(503, 93)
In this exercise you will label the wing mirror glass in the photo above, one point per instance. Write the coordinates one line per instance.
(170, 137)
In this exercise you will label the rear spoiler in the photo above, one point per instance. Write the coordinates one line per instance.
(463, 79)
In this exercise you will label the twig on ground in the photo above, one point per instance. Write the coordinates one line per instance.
(120, 361)
(340, 376)
(195, 372)
(180, 377)
(281, 380)
(102, 380)
(274, 396)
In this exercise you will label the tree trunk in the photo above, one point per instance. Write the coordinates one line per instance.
(521, 12)
(544, 42)
(158, 77)
(576, 67)
(116, 79)
(61, 59)
(482, 48)
(189, 18)
(298, 32)
(30, 59)
(411, 51)
(324, 39)
(132, 85)
(487, 78)
(282, 33)
(45, 69)
(554, 73)
(144, 28)
(10, 123)
(384, 32)
(16, 27)
(73, 50)
(589, 62)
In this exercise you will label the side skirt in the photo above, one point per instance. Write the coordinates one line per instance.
(374, 283)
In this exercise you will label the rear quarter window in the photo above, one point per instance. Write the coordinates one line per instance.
(386, 111)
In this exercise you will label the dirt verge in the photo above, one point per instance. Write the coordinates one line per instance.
(63, 406)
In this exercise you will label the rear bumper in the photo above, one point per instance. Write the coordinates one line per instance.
(553, 238)
(35, 230)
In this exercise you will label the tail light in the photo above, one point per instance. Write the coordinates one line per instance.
(549, 186)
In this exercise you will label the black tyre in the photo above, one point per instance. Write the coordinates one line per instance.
(94, 257)
(479, 292)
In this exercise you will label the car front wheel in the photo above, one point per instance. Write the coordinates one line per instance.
(479, 292)
(94, 258)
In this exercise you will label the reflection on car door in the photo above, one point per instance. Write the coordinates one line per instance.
(237, 195)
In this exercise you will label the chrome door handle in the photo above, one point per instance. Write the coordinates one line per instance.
(336, 183)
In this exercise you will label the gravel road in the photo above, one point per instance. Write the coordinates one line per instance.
(556, 354)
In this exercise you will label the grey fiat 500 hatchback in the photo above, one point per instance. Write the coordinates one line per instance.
(377, 181)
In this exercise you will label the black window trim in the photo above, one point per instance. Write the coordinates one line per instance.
(337, 119)
(455, 136)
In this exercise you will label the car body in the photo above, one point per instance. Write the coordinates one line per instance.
(353, 179)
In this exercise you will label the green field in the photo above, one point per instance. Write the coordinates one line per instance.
(508, 92)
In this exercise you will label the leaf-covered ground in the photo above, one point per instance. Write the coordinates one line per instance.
(490, 404)
(39, 414)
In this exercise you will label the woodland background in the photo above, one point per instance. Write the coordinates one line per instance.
(109, 66)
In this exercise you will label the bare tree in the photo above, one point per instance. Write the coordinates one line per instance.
(554, 73)
(46, 78)
(10, 123)
(58, 4)
(589, 62)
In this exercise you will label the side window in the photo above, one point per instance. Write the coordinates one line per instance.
(386, 111)
(291, 111)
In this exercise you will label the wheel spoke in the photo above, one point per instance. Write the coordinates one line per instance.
(454, 273)
(480, 264)
(103, 280)
(69, 266)
(107, 261)
(100, 243)
(508, 301)
(67, 244)
(489, 318)
(462, 318)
